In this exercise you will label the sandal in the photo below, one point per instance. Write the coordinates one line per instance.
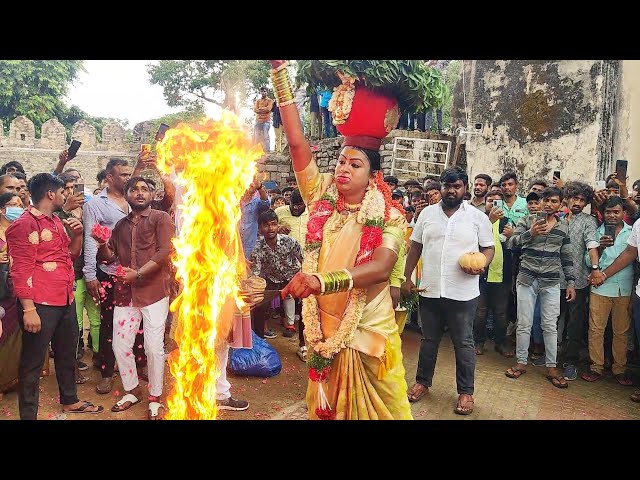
(591, 376)
(557, 381)
(154, 411)
(504, 351)
(417, 392)
(479, 349)
(624, 380)
(463, 408)
(125, 403)
(635, 396)
(515, 372)
(84, 408)
(80, 379)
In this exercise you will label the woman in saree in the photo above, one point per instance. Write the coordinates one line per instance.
(355, 233)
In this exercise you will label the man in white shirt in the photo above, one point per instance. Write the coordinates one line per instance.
(444, 232)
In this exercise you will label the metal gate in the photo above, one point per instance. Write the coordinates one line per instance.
(416, 158)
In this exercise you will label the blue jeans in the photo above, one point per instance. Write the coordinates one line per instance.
(549, 310)
(430, 118)
(262, 135)
(536, 330)
(329, 129)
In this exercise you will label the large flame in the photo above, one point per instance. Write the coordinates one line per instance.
(215, 162)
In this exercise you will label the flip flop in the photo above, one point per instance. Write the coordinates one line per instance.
(514, 372)
(415, 396)
(558, 381)
(460, 408)
(154, 410)
(83, 409)
(125, 403)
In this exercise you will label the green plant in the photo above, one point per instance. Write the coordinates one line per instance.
(415, 85)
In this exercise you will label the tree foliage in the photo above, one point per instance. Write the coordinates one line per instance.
(36, 88)
(226, 83)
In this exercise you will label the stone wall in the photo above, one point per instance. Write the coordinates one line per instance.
(41, 154)
(278, 166)
(539, 116)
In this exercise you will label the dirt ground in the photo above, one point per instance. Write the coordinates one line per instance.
(282, 397)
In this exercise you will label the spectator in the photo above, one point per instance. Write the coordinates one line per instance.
(252, 206)
(277, 201)
(12, 167)
(442, 66)
(432, 190)
(9, 183)
(106, 209)
(392, 182)
(148, 161)
(43, 282)
(262, 109)
(22, 190)
(537, 186)
(451, 294)
(102, 179)
(316, 117)
(141, 243)
(281, 138)
(481, 185)
(276, 258)
(515, 206)
(10, 332)
(612, 297)
(329, 129)
(545, 251)
(291, 182)
(286, 193)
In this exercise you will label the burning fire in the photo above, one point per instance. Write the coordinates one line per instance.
(215, 162)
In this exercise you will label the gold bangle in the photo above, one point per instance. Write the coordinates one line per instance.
(334, 282)
(282, 66)
(27, 310)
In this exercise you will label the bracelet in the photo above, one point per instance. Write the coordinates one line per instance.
(138, 274)
(334, 282)
(27, 310)
(605, 275)
(282, 85)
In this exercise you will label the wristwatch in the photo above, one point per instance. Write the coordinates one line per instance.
(595, 267)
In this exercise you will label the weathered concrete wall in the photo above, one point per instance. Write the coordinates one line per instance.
(540, 116)
(627, 127)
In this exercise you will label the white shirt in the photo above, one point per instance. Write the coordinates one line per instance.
(444, 240)
(634, 241)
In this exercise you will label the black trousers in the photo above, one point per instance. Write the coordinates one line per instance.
(259, 314)
(576, 321)
(494, 296)
(60, 328)
(106, 330)
(435, 313)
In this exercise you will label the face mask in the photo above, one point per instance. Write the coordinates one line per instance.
(13, 213)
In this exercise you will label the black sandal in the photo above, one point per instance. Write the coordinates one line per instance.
(83, 408)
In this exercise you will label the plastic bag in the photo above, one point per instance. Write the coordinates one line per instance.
(260, 361)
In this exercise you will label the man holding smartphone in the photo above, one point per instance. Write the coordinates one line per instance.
(611, 297)
(544, 243)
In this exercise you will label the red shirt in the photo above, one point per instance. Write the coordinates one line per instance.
(40, 262)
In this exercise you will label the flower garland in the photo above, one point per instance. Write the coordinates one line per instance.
(373, 214)
(342, 99)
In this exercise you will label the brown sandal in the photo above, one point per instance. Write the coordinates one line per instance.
(463, 407)
(417, 392)
(557, 380)
(515, 372)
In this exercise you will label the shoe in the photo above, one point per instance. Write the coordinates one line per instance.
(270, 334)
(105, 385)
(232, 404)
(302, 353)
(289, 332)
(591, 376)
(570, 371)
(82, 366)
(539, 362)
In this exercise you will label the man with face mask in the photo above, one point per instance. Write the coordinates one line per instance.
(43, 282)
(141, 242)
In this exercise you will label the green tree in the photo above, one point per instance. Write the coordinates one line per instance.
(36, 88)
(226, 83)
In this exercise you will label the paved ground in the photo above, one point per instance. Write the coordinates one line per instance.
(282, 397)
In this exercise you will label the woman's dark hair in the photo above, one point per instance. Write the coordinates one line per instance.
(374, 159)
(6, 198)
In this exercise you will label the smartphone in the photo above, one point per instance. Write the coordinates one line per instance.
(610, 230)
(498, 204)
(162, 129)
(425, 196)
(601, 185)
(78, 188)
(73, 148)
(542, 216)
(556, 173)
(621, 170)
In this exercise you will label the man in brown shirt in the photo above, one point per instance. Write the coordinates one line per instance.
(141, 242)
(262, 108)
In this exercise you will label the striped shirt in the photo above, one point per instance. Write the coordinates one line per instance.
(582, 232)
(543, 256)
